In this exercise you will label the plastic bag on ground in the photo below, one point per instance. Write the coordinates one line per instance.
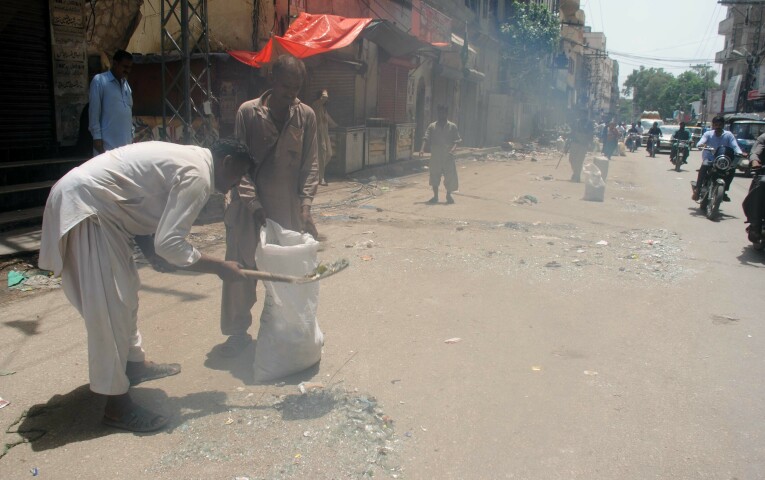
(594, 186)
(289, 339)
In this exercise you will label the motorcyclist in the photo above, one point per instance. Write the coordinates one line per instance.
(715, 138)
(655, 130)
(681, 134)
(635, 133)
(754, 203)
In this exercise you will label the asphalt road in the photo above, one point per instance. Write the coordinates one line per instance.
(620, 339)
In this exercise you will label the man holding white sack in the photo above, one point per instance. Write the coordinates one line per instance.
(90, 219)
(280, 132)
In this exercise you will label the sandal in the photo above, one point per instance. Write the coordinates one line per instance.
(138, 420)
(153, 371)
(234, 345)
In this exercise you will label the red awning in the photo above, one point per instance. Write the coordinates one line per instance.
(307, 36)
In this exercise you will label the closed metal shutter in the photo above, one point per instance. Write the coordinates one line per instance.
(391, 93)
(27, 119)
(340, 82)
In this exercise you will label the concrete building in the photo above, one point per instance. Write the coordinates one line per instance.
(743, 76)
(601, 97)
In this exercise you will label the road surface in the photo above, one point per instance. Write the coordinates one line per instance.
(587, 340)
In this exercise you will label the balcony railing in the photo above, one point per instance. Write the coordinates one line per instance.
(726, 26)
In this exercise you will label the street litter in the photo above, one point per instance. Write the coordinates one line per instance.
(590, 373)
(14, 278)
(228, 421)
(306, 387)
(364, 243)
(527, 200)
(4, 403)
(602, 242)
(453, 340)
(723, 319)
(289, 338)
(366, 258)
(536, 368)
(32, 279)
(553, 264)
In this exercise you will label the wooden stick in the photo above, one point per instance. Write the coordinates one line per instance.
(275, 277)
(326, 271)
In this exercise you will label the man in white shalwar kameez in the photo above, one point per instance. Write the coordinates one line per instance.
(90, 219)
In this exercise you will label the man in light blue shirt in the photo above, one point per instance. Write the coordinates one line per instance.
(111, 105)
(715, 138)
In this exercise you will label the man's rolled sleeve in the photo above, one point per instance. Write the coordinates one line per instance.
(94, 110)
(309, 167)
(246, 190)
(187, 198)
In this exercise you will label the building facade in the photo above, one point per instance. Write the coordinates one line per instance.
(743, 77)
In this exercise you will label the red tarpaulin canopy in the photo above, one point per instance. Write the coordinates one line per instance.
(308, 35)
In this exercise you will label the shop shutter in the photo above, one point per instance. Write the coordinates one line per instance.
(340, 82)
(391, 93)
(27, 119)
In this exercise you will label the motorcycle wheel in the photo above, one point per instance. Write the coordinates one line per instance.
(678, 163)
(713, 203)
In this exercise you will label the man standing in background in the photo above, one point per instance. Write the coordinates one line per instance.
(442, 138)
(111, 105)
(323, 124)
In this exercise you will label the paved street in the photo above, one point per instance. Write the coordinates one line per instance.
(621, 339)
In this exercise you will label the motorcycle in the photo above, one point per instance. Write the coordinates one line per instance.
(712, 192)
(632, 141)
(653, 144)
(759, 176)
(681, 154)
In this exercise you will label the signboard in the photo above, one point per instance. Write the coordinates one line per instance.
(731, 94)
(715, 101)
(70, 67)
(761, 79)
(433, 26)
(753, 94)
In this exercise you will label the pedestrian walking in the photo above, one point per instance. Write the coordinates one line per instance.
(580, 142)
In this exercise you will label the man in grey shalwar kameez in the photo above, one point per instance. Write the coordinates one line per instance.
(442, 138)
(280, 132)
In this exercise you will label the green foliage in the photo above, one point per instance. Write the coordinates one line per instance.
(655, 89)
(531, 33)
(624, 110)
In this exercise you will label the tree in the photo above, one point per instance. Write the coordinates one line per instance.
(531, 34)
(624, 111)
(655, 89)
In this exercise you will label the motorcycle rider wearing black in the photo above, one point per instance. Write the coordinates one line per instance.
(655, 130)
(715, 138)
(681, 134)
(754, 203)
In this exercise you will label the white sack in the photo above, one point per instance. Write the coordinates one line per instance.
(289, 339)
(594, 186)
